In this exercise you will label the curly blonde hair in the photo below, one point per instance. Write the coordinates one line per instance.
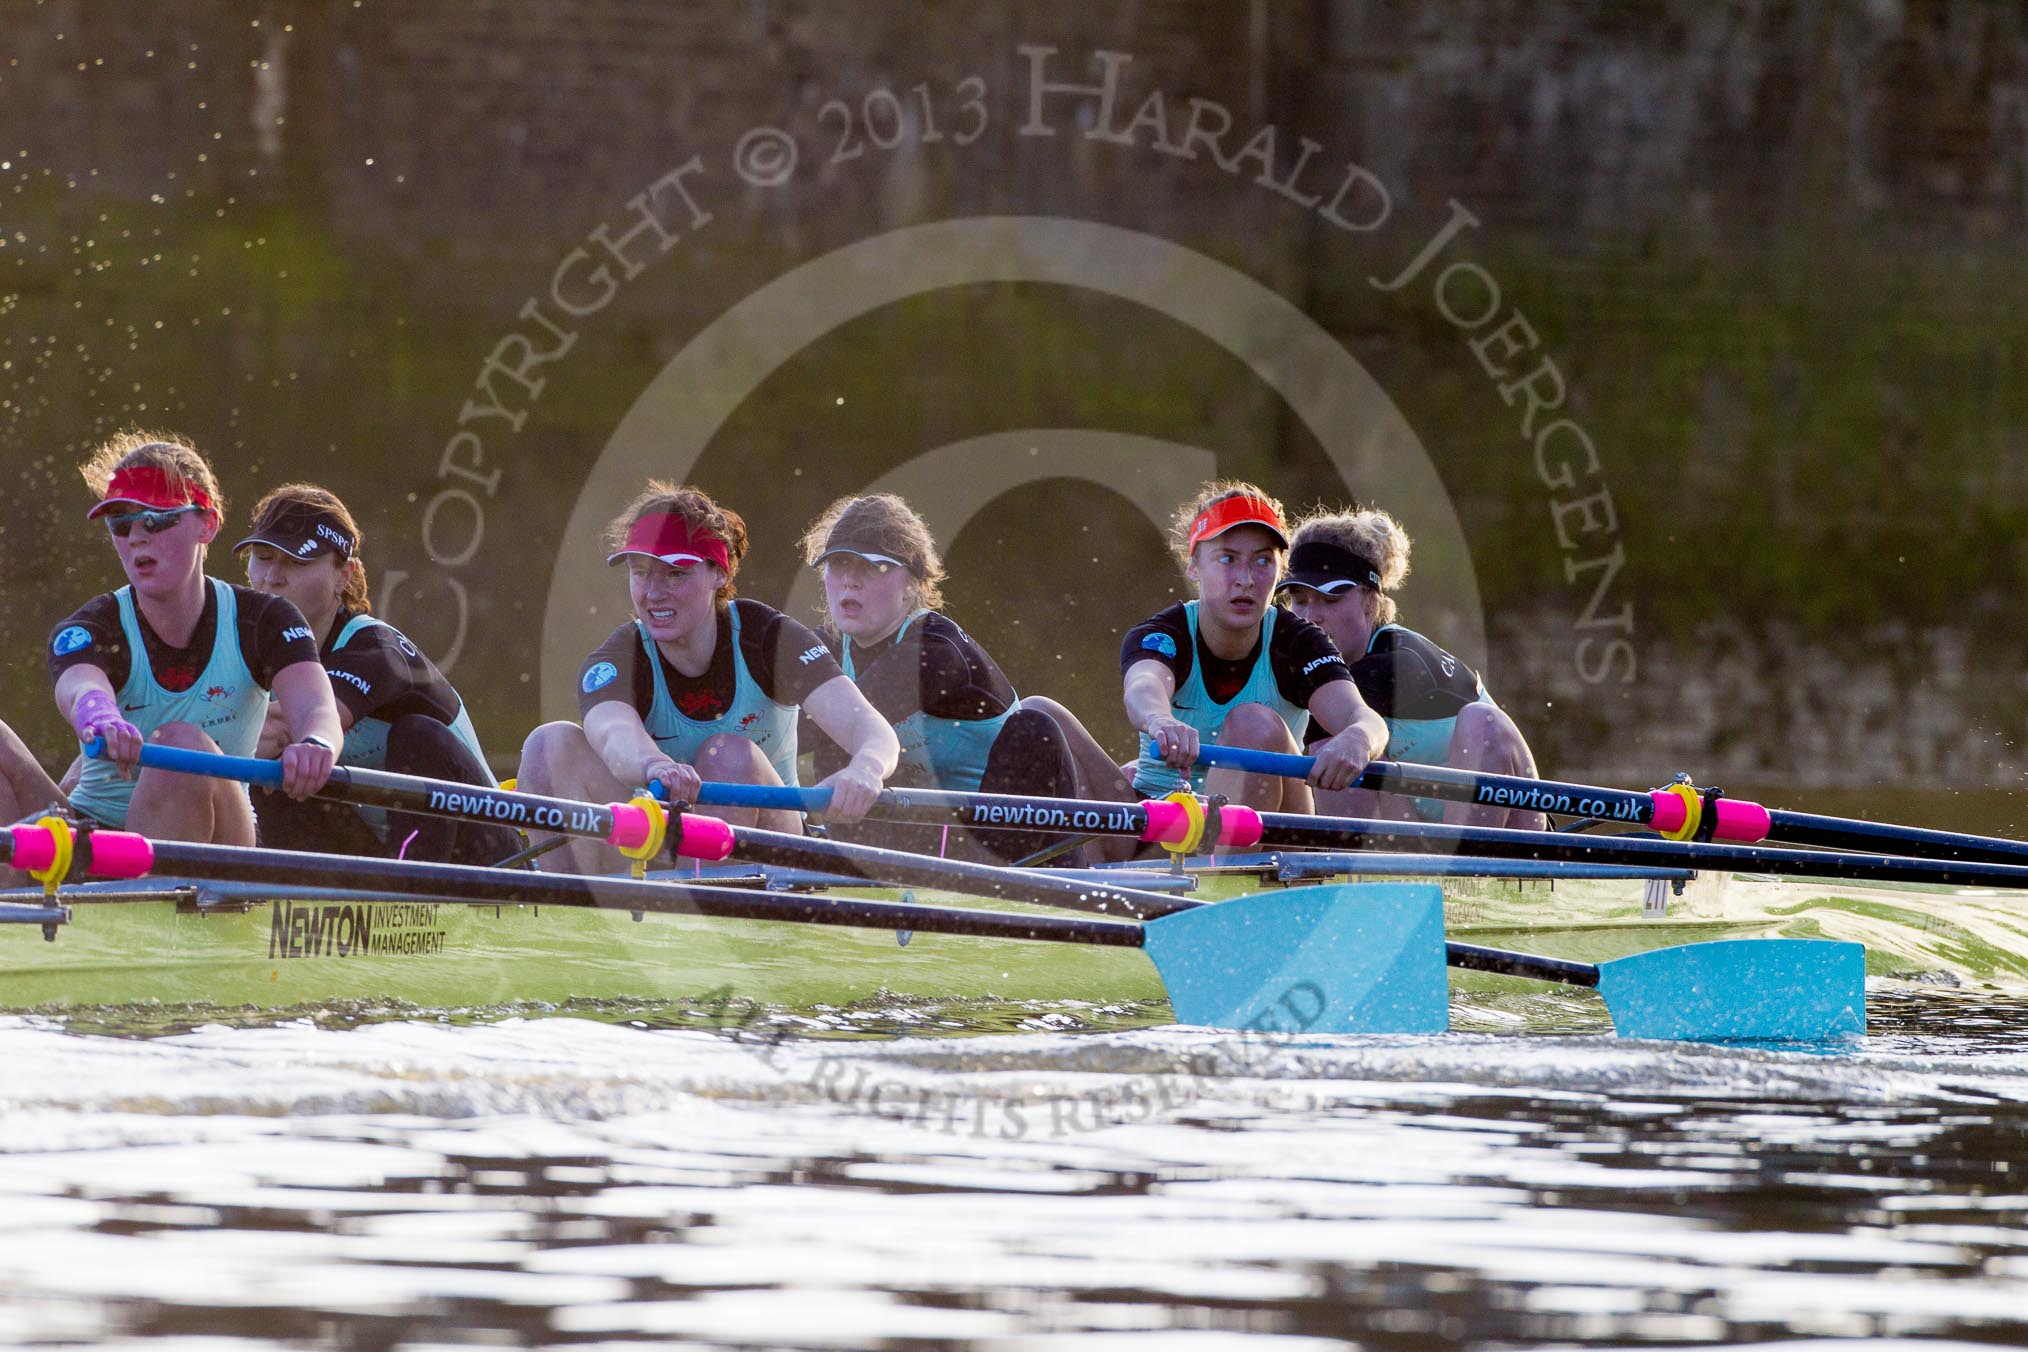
(699, 511)
(888, 525)
(176, 458)
(1371, 534)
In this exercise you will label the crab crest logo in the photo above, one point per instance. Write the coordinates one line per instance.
(601, 675)
(1160, 643)
(213, 694)
(70, 640)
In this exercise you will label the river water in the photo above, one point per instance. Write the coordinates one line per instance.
(1010, 1177)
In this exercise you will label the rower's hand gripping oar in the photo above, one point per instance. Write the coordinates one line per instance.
(1380, 959)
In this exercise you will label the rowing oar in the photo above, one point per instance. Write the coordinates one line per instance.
(1347, 958)
(640, 830)
(1704, 992)
(1244, 827)
(1678, 812)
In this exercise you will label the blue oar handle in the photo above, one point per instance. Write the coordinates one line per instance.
(184, 761)
(1260, 762)
(764, 796)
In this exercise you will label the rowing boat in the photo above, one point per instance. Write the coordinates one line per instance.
(1622, 914)
(198, 943)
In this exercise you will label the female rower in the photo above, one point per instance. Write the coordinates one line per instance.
(699, 686)
(1230, 668)
(1341, 570)
(397, 710)
(181, 659)
(960, 724)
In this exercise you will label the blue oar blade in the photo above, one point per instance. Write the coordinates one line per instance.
(1740, 990)
(1358, 958)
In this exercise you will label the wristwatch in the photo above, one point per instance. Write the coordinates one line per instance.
(314, 740)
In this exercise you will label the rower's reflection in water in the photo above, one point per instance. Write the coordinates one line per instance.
(700, 686)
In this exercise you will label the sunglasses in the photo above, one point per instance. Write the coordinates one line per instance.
(151, 521)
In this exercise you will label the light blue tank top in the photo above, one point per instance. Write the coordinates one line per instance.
(1193, 705)
(366, 740)
(1423, 741)
(224, 702)
(950, 753)
(752, 715)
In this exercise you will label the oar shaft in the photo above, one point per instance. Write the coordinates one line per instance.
(279, 868)
(1463, 786)
(896, 867)
(1735, 821)
(1849, 833)
(1528, 965)
(1156, 822)
(1289, 830)
(476, 802)
(378, 788)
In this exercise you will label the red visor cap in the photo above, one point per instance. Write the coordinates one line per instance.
(1223, 515)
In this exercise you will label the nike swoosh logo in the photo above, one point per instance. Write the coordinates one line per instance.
(133, 708)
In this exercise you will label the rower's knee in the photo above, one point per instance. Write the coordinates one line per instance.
(184, 737)
(1485, 738)
(728, 759)
(545, 749)
(420, 745)
(1258, 728)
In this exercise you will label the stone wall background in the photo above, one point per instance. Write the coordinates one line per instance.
(1773, 249)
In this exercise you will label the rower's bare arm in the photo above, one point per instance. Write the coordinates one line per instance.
(848, 719)
(854, 724)
(76, 681)
(621, 740)
(304, 692)
(1361, 735)
(1150, 696)
(274, 732)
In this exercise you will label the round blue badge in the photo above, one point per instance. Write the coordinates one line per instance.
(600, 676)
(71, 639)
(1160, 643)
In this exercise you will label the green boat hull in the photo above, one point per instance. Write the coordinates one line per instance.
(287, 954)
